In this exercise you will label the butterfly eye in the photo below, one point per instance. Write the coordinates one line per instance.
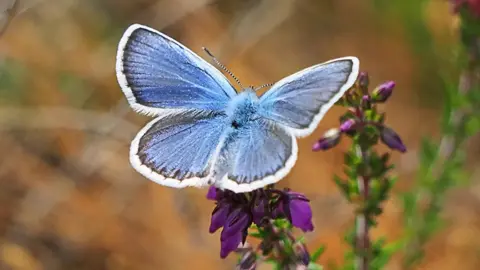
(235, 124)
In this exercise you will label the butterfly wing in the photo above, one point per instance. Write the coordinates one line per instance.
(260, 154)
(300, 101)
(176, 150)
(158, 74)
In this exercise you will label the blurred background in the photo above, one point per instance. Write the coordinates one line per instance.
(68, 196)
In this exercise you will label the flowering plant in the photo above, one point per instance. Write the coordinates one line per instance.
(271, 214)
(367, 183)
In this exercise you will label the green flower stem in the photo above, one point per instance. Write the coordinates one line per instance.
(366, 183)
(362, 226)
(450, 142)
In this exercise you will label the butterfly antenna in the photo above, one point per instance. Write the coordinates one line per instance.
(222, 66)
(263, 86)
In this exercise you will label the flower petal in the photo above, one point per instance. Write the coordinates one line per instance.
(301, 215)
(230, 244)
(237, 221)
(392, 140)
(219, 217)
(258, 211)
(212, 193)
(278, 212)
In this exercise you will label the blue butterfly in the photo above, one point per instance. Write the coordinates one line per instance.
(205, 132)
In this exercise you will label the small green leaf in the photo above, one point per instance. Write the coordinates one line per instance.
(429, 151)
(256, 235)
(343, 186)
(316, 255)
(472, 126)
(301, 239)
(474, 96)
(351, 159)
(409, 204)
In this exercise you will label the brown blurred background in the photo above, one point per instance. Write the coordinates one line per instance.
(68, 196)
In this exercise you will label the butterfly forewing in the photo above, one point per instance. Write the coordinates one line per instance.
(300, 101)
(158, 73)
(161, 77)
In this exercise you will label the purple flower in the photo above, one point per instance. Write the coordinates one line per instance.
(258, 210)
(297, 209)
(230, 244)
(392, 140)
(237, 221)
(219, 217)
(329, 140)
(234, 230)
(235, 212)
(212, 193)
(232, 212)
(383, 91)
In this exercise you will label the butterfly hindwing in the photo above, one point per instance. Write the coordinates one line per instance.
(299, 101)
(157, 73)
(176, 150)
(262, 153)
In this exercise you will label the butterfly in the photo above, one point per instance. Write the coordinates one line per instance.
(207, 133)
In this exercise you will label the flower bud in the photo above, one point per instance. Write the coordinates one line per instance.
(329, 140)
(366, 98)
(347, 125)
(392, 140)
(363, 80)
(366, 102)
(300, 251)
(383, 91)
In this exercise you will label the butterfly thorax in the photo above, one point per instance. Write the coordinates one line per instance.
(242, 109)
